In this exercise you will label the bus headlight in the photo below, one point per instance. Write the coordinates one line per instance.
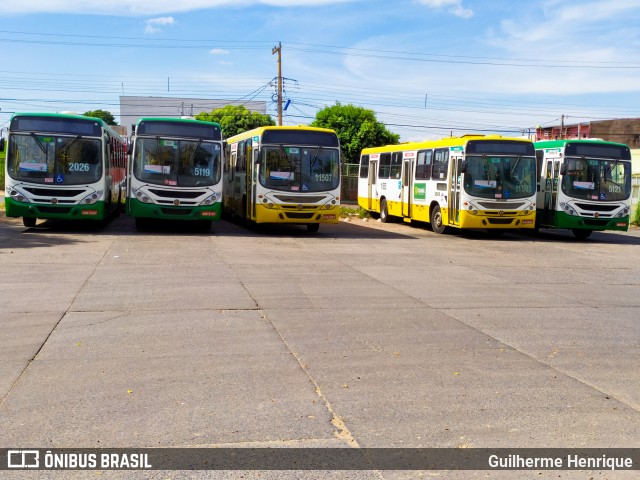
(622, 213)
(92, 198)
(568, 209)
(17, 195)
(210, 200)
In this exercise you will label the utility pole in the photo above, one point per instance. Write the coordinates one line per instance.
(278, 50)
(561, 126)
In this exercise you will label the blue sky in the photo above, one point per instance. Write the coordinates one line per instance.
(426, 67)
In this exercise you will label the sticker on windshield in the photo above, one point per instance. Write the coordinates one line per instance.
(585, 185)
(158, 169)
(485, 183)
(294, 151)
(169, 143)
(33, 166)
(281, 175)
(59, 178)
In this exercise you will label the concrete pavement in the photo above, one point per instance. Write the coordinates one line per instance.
(364, 335)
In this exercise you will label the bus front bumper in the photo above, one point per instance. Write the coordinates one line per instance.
(138, 209)
(508, 220)
(564, 220)
(292, 214)
(95, 211)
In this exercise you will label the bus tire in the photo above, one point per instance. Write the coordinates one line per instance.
(436, 220)
(384, 211)
(29, 222)
(313, 227)
(580, 233)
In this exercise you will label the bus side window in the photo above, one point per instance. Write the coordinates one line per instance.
(241, 157)
(396, 165)
(539, 162)
(385, 165)
(440, 163)
(423, 165)
(364, 166)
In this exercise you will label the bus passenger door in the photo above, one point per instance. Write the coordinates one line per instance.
(407, 186)
(252, 176)
(454, 197)
(373, 174)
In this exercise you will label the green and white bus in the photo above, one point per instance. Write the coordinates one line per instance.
(583, 185)
(61, 166)
(175, 171)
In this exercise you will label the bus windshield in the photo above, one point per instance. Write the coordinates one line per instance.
(54, 159)
(504, 177)
(296, 168)
(597, 179)
(175, 162)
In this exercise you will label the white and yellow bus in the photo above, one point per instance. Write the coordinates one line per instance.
(473, 181)
(286, 174)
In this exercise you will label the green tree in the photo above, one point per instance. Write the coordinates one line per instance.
(106, 117)
(357, 128)
(236, 119)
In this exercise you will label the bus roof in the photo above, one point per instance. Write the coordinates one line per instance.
(177, 120)
(565, 141)
(444, 142)
(70, 116)
(260, 130)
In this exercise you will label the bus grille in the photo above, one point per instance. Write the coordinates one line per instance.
(500, 221)
(596, 208)
(58, 210)
(300, 198)
(299, 216)
(500, 205)
(176, 211)
(177, 193)
(53, 192)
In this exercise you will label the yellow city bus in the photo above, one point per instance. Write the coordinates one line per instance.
(473, 181)
(285, 174)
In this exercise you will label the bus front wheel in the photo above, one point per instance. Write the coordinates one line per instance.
(29, 222)
(384, 212)
(436, 220)
(581, 234)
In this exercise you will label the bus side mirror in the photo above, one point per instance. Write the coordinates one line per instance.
(130, 148)
(463, 166)
(563, 169)
(1, 144)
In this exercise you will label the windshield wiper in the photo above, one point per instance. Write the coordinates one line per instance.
(193, 155)
(71, 142)
(315, 158)
(285, 154)
(513, 169)
(42, 147)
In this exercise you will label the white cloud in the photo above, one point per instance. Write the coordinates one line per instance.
(141, 7)
(154, 23)
(454, 6)
(218, 51)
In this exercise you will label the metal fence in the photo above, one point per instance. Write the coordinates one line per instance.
(349, 182)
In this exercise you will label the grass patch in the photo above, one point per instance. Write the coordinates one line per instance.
(353, 212)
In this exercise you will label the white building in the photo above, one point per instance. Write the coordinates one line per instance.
(132, 108)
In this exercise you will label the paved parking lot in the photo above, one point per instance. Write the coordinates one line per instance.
(363, 335)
